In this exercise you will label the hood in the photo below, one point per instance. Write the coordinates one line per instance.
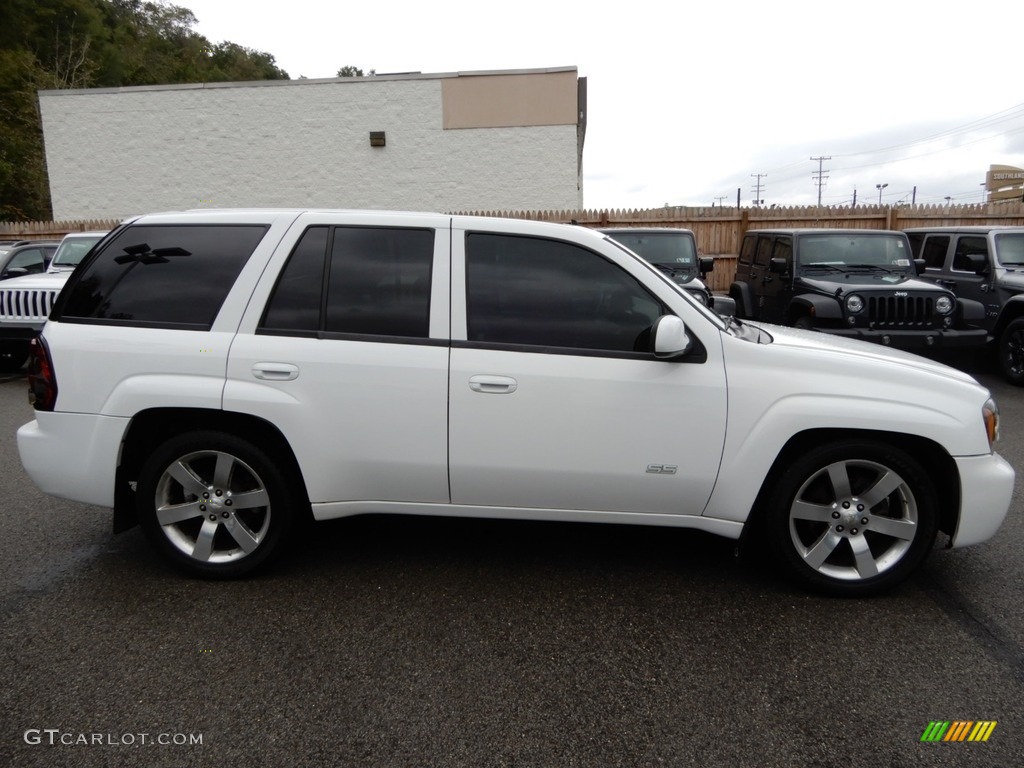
(41, 282)
(853, 350)
(849, 282)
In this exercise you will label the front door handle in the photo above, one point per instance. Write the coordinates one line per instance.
(275, 371)
(494, 385)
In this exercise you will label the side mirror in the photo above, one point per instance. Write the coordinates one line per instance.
(977, 262)
(669, 337)
(920, 265)
(724, 305)
(15, 272)
(705, 264)
(778, 266)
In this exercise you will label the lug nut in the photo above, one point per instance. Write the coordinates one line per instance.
(227, 503)
(846, 505)
(853, 531)
(225, 515)
(863, 521)
(213, 518)
(202, 507)
(206, 494)
(220, 493)
(839, 528)
(860, 507)
(835, 515)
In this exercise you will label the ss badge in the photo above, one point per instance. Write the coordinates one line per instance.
(661, 469)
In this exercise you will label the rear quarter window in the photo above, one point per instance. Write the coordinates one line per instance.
(161, 276)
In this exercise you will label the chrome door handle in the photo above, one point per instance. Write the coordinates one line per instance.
(275, 371)
(494, 385)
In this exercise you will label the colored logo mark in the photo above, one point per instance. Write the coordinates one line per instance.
(958, 730)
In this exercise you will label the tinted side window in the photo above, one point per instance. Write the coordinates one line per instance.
(764, 250)
(524, 290)
(934, 251)
(784, 250)
(380, 281)
(295, 304)
(29, 259)
(747, 249)
(969, 245)
(173, 276)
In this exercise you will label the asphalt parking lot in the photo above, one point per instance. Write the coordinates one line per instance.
(432, 642)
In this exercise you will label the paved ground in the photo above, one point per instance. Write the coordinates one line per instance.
(416, 642)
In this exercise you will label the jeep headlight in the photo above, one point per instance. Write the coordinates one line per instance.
(944, 305)
(854, 304)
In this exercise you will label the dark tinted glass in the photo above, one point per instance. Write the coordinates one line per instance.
(523, 290)
(380, 281)
(295, 303)
(966, 246)
(934, 252)
(163, 275)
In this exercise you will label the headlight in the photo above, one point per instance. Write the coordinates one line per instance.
(990, 413)
(944, 305)
(854, 304)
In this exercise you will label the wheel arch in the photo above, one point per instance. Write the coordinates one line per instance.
(151, 427)
(934, 460)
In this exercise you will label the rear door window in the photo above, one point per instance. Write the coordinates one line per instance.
(174, 276)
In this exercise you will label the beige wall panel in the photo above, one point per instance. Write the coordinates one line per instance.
(506, 101)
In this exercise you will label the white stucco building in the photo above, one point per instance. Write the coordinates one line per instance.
(502, 140)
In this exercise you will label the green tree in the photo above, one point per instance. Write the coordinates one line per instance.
(58, 44)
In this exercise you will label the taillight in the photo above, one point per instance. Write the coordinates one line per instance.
(42, 382)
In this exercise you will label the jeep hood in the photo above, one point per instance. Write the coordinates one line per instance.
(42, 282)
(854, 349)
(848, 282)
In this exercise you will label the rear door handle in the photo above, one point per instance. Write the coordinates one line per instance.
(275, 371)
(494, 385)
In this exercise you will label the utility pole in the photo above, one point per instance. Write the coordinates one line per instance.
(854, 197)
(757, 187)
(720, 198)
(820, 174)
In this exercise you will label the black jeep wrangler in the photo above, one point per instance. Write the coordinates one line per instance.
(850, 282)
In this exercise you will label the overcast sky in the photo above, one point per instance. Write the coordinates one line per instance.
(687, 102)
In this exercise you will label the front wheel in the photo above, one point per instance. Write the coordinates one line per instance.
(1011, 352)
(214, 505)
(852, 518)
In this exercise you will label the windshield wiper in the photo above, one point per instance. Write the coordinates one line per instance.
(872, 267)
(830, 267)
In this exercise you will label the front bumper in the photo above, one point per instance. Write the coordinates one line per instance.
(73, 455)
(915, 339)
(986, 490)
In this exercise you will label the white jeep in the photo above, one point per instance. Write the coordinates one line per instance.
(217, 375)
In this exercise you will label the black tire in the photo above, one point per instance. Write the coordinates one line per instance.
(852, 518)
(215, 505)
(13, 355)
(803, 323)
(1011, 352)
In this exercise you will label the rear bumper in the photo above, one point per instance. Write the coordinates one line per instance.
(986, 490)
(73, 455)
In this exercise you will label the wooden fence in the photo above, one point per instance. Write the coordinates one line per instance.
(719, 230)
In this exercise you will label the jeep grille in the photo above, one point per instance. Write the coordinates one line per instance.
(26, 305)
(901, 310)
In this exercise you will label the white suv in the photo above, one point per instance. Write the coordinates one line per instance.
(217, 375)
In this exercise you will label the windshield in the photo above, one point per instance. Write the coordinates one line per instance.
(855, 252)
(674, 250)
(1010, 249)
(73, 250)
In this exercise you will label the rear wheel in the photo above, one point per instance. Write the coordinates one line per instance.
(1011, 352)
(852, 518)
(215, 505)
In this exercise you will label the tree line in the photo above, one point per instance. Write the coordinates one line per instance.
(56, 44)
